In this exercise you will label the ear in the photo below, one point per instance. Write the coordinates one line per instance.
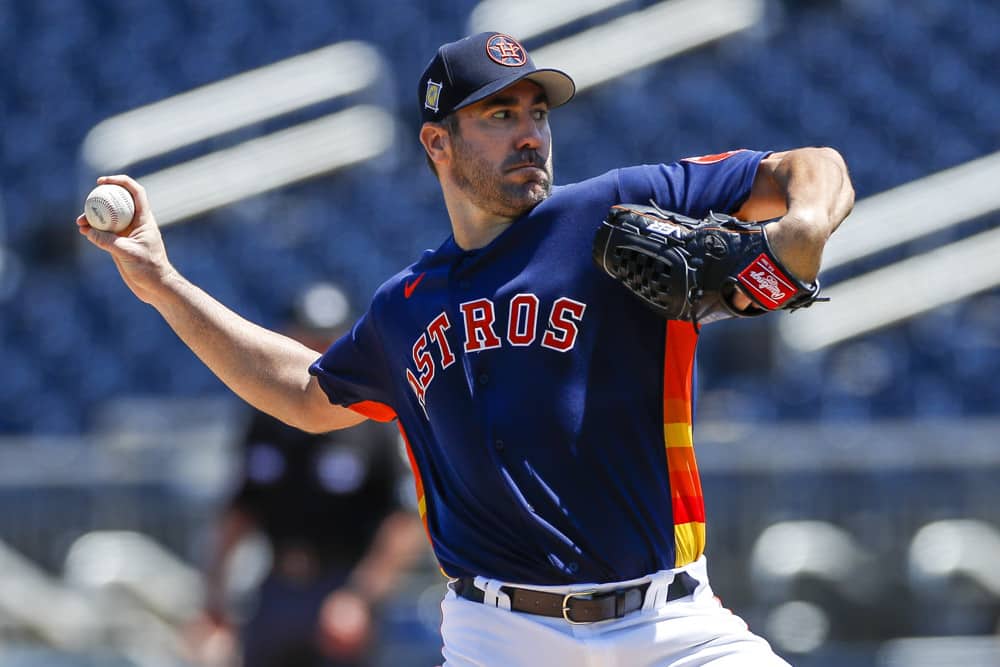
(436, 142)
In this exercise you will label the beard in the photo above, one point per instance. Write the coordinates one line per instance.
(492, 189)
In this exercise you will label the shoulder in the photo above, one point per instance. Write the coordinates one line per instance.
(595, 184)
(400, 285)
(602, 188)
(719, 165)
(430, 259)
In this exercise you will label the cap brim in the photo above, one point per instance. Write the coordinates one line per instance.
(558, 86)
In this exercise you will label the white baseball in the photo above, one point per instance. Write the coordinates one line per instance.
(109, 208)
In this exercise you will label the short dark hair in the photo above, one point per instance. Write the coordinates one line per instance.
(449, 123)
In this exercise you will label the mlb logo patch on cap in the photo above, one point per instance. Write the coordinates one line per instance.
(432, 96)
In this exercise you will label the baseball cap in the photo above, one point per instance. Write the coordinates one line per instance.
(473, 68)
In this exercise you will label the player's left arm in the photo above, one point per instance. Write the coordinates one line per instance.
(810, 190)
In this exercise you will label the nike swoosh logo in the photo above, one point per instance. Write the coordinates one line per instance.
(408, 287)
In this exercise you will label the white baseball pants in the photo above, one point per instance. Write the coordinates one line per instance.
(693, 631)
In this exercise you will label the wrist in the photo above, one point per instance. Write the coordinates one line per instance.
(797, 246)
(169, 286)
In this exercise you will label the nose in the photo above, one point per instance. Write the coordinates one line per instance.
(530, 135)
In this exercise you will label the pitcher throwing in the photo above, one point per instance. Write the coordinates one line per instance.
(547, 410)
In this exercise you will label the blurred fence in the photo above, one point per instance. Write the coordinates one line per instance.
(838, 542)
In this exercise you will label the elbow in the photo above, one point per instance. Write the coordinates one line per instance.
(831, 164)
(316, 414)
(312, 427)
(301, 420)
(844, 201)
(306, 411)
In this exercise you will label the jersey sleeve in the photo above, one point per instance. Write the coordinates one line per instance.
(693, 186)
(353, 372)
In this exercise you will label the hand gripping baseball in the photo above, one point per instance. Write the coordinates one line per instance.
(688, 269)
(138, 250)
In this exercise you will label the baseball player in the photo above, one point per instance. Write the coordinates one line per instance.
(546, 409)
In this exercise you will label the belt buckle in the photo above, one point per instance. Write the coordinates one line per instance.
(565, 606)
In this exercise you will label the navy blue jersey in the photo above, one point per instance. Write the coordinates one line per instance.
(547, 410)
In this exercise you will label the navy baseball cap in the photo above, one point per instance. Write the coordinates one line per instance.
(473, 68)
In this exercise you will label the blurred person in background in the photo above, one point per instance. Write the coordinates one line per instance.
(330, 508)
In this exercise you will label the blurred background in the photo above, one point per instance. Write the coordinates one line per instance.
(849, 453)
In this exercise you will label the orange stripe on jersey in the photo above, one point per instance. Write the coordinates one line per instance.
(676, 410)
(687, 502)
(380, 412)
(681, 342)
(688, 508)
(418, 483)
(684, 478)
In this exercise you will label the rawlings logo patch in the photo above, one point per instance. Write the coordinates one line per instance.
(433, 95)
(767, 283)
(505, 50)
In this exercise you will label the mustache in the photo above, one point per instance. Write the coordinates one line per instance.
(525, 159)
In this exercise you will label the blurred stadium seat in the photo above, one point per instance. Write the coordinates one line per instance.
(952, 568)
(135, 565)
(36, 606)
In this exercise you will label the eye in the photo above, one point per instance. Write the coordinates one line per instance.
(540, 114)
(501, 114)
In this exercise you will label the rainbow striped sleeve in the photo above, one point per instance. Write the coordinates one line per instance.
(686, 498)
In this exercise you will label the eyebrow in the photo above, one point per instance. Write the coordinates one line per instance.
(510, 100)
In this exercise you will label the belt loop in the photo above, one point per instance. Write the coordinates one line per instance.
(493, 596)
(662, 596)
(656, 595)
(620, 597)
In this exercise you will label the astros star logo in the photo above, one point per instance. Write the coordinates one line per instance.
(505, 50)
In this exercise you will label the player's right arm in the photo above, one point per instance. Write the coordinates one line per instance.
(268, 370)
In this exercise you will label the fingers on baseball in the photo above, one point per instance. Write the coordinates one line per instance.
(135, 189)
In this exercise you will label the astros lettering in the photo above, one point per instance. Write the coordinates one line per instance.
(478, 321)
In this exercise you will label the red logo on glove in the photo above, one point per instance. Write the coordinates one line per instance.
(766, 283)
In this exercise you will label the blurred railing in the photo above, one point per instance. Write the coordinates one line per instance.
(831, 540)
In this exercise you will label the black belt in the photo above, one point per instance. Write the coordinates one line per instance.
(579, 607)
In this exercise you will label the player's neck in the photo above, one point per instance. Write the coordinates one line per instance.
(473, 227)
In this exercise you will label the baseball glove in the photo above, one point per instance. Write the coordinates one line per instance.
(688, 269)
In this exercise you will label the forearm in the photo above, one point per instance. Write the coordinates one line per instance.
(818, 196)
(264, 368)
